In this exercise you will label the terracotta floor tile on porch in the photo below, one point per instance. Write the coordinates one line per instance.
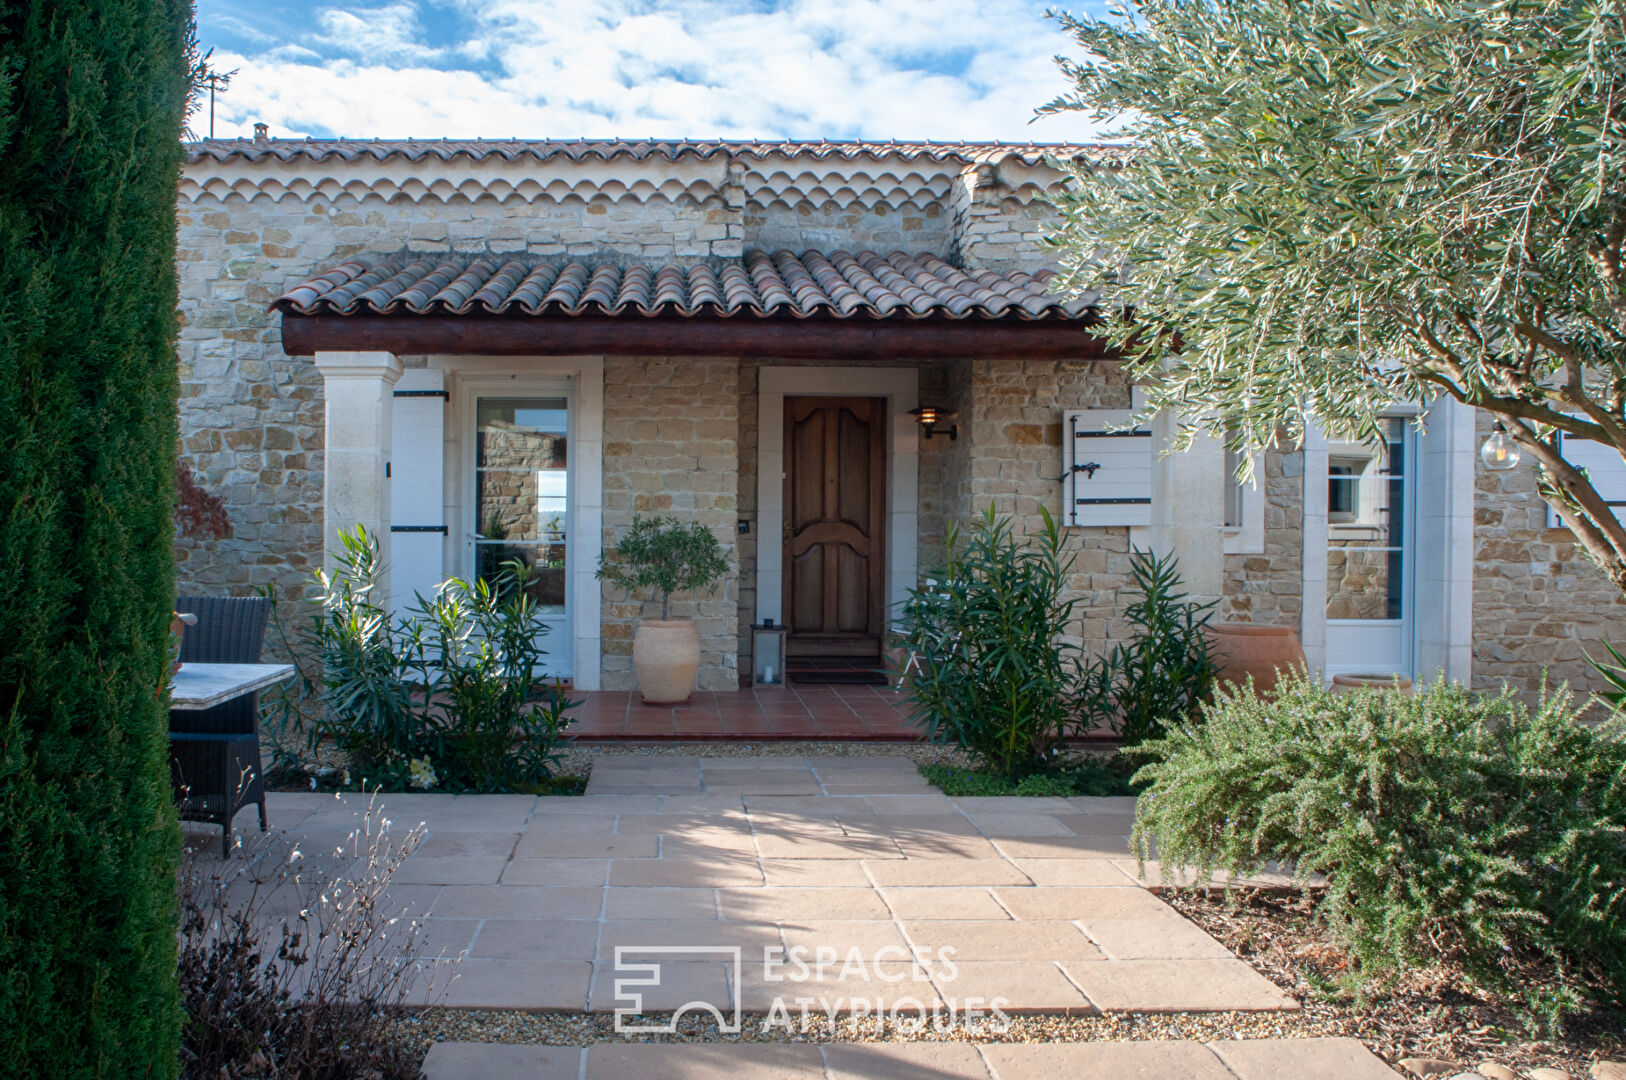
(823, 713)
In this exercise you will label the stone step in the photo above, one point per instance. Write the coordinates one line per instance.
(1258, 1059)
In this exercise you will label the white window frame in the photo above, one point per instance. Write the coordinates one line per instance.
(1247, 535)
(1611, 460)
(472, 377)
(559, 626)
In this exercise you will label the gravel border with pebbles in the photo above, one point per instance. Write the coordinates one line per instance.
(586, 1029)
(578, 760)
(1426, 1014)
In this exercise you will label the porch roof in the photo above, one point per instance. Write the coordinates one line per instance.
(781, 304)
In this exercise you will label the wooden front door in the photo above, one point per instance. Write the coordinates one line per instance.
(835, 525)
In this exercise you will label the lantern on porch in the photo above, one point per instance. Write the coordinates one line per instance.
(767, 654)
(1499, 453)
(932, 420)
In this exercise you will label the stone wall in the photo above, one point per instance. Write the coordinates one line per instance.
(853, 227)
(1539, 601)
(1005, 235)
(251, 418)
(1268, 587)
(1013, 434)
(1000, 219)
(671, 447)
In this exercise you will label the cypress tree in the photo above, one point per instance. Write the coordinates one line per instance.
(92, 103)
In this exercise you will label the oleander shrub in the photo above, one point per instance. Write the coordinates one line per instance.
(92, 104)
(1163, 672)
(990, 670)
(494, 731)
(443, 697)
(1450, 826)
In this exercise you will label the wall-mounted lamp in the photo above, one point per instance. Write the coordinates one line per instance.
(1499, 452)
(931, 420)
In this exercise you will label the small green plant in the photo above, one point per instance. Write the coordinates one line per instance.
(1084, 776)
(664, 556)
(1449, 826)
(1614, 674)
(1040, 785)
(366, 666)
(991, 671)
(1164, 672)
(442, 698)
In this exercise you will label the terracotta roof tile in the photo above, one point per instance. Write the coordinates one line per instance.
(813, 284)
(634, 149)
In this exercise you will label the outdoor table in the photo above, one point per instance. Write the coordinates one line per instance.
(203, 686)
(217, 772)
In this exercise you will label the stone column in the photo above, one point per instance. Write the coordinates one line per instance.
(1188, 508)
(358, 389)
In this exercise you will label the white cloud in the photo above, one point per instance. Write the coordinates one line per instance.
(934, 69)
(391, 31)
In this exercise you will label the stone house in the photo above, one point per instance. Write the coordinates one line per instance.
(496, 348)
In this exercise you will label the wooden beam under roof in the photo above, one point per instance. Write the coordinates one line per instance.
(791, 339)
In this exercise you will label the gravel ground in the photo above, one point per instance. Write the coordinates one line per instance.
(578, 1029)
(578, 760)
(1426, 1014)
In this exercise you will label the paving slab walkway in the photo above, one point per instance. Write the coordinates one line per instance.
(842, 885)
(824, 713)
(1263, 1059)
(756, 882)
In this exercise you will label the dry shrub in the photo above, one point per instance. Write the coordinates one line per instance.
(293, 961)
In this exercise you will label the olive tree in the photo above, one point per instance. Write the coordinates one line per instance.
(1333, 206)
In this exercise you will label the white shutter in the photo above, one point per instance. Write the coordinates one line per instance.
(1604, 468)
(1107, 469)
(417, 488)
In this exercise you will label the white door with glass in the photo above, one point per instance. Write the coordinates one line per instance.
(1371, 553)
(521, 505)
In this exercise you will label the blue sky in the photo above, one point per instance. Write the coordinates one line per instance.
(836, 69)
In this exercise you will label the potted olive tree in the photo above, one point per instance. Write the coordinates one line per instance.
(664, 556)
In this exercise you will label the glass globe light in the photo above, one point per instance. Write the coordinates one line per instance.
(1499, 453)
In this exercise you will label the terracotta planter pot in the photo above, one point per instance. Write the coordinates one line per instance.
(1348, 684)
(666, 657)
(1264, 652)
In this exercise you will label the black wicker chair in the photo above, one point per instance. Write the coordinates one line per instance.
(214, 754)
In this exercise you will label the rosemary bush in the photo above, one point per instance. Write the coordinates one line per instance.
(991, 670)
(1450, 826)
